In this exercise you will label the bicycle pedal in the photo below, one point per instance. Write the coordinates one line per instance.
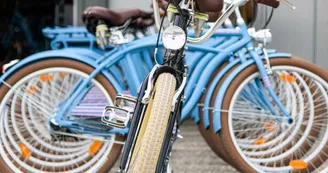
(126, 102)
(115, 116)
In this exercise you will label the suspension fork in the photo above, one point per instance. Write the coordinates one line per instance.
(267, 84)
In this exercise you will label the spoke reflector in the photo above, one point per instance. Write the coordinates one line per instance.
(46, 78)
(31, 90)
(259, 141)
(94, 147)
(298, 164)
(288, 78)
(26, 153)
(62, 74)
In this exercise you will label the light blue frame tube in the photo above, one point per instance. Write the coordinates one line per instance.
(210, 68)
(138, 50)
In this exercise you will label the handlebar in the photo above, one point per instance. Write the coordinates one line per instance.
(233, 5)
(213, 28)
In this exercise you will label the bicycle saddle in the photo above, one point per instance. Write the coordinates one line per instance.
(140, 19)
(211, 7)
(202, 5)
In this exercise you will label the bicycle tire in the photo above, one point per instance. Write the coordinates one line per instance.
(71, 64)
(145, 157)
(224, 134)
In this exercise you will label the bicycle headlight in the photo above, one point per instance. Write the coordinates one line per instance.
(174, 38)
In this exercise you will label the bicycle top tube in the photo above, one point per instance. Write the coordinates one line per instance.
(149, 41)
(105, 62)
(111, 58)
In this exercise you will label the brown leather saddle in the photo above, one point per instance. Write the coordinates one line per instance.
(202, 5)
(211, 7)
(139, 18)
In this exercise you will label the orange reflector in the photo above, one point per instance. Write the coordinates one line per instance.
(26, 153)
(259, 141)
(31, 90)
(62, 74)
(46, 78)
(94, 147)
(288, 78)
(298, 164)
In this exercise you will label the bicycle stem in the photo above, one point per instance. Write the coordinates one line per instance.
(213, 28)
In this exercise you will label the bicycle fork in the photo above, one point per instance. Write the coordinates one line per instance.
(265, 72)
(141, 103)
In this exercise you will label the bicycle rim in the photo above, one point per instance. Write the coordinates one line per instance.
(27, 143)
(268, 143)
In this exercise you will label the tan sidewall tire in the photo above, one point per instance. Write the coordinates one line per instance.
(146, 156)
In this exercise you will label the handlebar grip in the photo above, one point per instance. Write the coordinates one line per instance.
(271, 3)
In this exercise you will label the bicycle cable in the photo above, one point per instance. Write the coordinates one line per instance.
(161, 25)
(159, 32)
(269, 19)
(178, 7)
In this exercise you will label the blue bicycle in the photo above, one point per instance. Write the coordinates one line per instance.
(52, 102)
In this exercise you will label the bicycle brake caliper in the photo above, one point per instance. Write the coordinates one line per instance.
(145, 98)
(180, 89)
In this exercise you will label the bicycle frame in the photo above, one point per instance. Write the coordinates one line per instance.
(237, 40)
(210, 68)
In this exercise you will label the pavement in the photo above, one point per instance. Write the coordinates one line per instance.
(192, 154)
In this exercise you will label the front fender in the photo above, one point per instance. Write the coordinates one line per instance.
(51, 54)
(84, 52)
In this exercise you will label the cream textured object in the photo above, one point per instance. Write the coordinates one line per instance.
(147, 154)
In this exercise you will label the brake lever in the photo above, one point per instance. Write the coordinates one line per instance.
(289, 4)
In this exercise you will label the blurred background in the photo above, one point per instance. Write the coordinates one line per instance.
(303, 32)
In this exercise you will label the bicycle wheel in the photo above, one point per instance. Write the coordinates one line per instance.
(35, 94)
(258, 148)
(146, 154)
